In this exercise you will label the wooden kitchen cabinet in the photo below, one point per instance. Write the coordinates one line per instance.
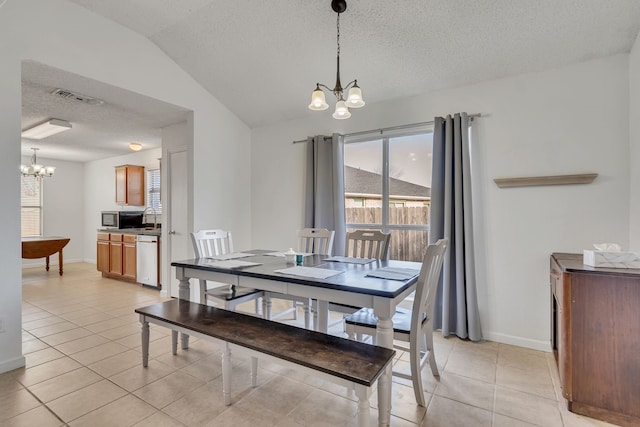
(129, 256)
(116, 256)
(595, 337)
(130, 188)
(102, 256)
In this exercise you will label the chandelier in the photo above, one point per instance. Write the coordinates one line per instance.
(35, 169)
(354, 99)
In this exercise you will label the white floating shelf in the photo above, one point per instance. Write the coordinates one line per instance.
(529, 181)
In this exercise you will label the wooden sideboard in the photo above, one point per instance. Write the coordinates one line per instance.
(595, 337)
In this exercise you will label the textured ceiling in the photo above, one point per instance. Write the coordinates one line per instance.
(98, 131)
(262, 58)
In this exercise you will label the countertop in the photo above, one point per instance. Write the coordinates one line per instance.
(144, 231)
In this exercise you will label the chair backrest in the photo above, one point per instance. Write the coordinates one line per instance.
(367, 244)
(316, 241)
(208, 243)
(426, 288)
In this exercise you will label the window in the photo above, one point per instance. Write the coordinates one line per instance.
(153, 190)
(388, 187)
(31, 206)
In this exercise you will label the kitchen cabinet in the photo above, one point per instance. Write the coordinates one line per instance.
(102, 257)
(129, 261)
(130, 188)
(595, 334)
(116, 255)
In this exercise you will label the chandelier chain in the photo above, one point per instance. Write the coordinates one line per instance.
(338, 33)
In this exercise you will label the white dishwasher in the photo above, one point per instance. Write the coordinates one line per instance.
(147, 260)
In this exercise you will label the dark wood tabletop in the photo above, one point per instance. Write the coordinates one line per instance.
(352, 278)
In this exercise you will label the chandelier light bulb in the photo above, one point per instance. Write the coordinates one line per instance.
(318, 101)
(341, 112)
(354, 100)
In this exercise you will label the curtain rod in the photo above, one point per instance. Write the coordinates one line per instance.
(382, 130)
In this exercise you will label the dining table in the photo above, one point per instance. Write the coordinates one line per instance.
(370, 283)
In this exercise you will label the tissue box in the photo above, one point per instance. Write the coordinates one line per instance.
(611, 259)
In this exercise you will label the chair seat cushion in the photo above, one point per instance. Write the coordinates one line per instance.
(228, 293)
(365, 318)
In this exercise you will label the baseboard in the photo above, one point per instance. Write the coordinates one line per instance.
(164, 294)
(41, 262)
(517, 341)
(11, 364)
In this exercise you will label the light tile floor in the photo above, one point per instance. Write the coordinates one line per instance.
(82, 347)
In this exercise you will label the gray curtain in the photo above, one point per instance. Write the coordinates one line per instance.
(456, 310)
(324, 187)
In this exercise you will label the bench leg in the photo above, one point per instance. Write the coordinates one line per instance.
(226, 374)
(363, 414)
(145, 341)
(254, 371)
(184, 341)
(174, 342)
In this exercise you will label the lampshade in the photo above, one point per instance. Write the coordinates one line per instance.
(135, 146)
(354, 100)
(48, 128)
(341, 112)
(318, 101)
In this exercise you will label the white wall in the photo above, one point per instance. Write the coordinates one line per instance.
(63, 209)
(634, 145)
(562, 121)
(97, 48)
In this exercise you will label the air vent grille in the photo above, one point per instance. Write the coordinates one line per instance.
(76, 97)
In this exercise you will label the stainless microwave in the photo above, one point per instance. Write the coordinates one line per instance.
(122, 219)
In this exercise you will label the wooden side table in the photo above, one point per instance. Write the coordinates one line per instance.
(44, 247)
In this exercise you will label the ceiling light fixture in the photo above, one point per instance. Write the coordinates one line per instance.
(135, 146)
(354, 99)
(48, 128)
(35, 169)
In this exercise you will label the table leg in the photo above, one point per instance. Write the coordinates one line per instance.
(384, 338)
(323, 316)
(47, 266)
(145, 341)
(59, 261)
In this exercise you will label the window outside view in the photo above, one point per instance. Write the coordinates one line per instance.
(388, 188)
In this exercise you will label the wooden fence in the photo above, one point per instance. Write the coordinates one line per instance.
(407, 245)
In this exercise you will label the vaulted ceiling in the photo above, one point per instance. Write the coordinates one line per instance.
(262, 59)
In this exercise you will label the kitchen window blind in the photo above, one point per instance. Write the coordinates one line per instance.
(153, 190)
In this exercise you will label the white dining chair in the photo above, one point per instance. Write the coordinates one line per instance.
(413, 327)
(310, 240)
(210, 243)
(359, 244)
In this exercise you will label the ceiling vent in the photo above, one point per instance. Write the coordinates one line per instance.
(72, 96)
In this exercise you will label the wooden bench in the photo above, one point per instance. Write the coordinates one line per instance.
(350, 363)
